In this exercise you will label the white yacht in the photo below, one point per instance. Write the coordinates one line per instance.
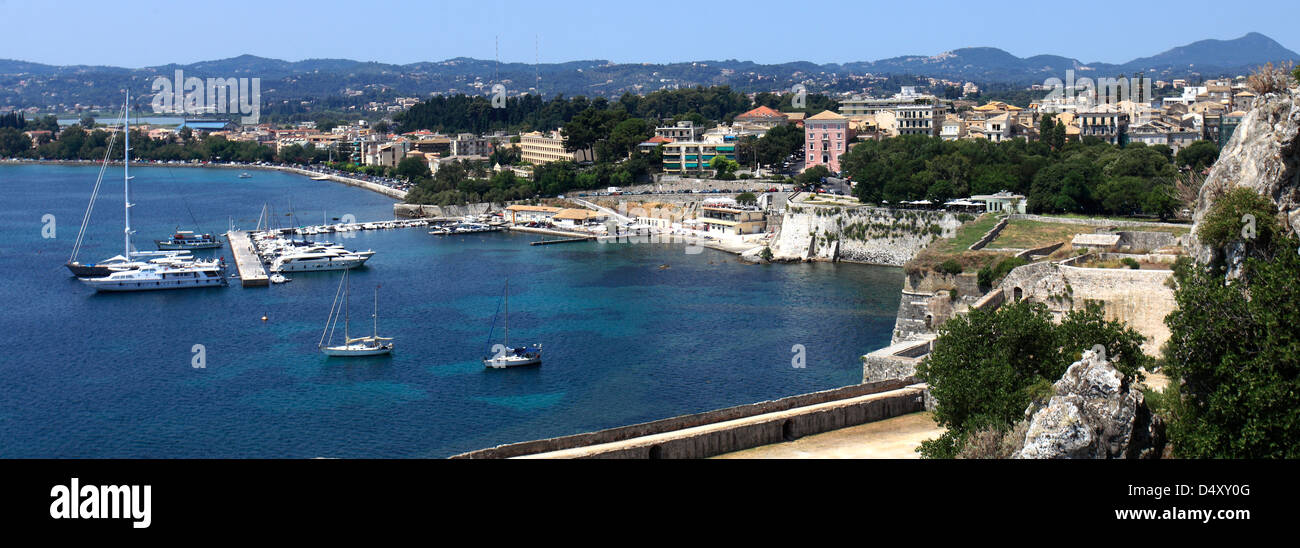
(152, 277)
(319, 258)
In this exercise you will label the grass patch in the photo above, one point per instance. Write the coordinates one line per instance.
(1032, 234)
(967, 235)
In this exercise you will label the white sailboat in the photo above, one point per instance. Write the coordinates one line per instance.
(170, 271)
(374, 345)
(504, 355)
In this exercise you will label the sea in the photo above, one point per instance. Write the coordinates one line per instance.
(631, 332)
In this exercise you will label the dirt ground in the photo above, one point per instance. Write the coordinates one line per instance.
(895, 438)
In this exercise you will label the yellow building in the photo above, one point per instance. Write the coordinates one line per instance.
(539, 148)
(733, 219)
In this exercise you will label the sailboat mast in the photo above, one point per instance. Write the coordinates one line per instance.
(507, 313)
(347, 318)
(376, 315)
(126, 174)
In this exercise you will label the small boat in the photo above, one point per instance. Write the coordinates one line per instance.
(245, 175)
(504, 355)
(185, 239)
(279, 279)
(374, 345)
(321, 178)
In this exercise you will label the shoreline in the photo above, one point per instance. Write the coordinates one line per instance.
(399, 195)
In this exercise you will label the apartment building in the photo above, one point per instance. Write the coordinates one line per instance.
(695, 156)
(914, 113)
(683, 131)
(543, 148)
(1111, 127)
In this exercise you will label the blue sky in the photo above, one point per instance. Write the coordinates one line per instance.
(145, 33)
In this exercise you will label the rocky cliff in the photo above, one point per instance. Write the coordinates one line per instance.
(1264, 155)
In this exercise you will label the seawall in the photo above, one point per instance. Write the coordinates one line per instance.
(871, 235)
(731, 429)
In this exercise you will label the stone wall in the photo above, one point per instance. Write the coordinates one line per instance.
(865, 234)
(1146, 242)
(896, 361)
(420, 211)
(1139, 298)
(722, 440)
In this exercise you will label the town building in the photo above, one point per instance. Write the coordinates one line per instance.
(827, 136)
(732, 219)
(1002, 202)
(685, 130)
(541, 148)
(761, 117)
(695, 156)
(521, 214)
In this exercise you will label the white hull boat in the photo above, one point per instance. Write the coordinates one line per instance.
(373, 345)
(505, 356)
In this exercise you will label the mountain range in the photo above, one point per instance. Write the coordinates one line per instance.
(25, 84)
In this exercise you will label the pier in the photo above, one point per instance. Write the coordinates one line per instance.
(251, 271)
(563, 240)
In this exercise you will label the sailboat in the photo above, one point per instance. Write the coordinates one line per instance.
(171, 270)
(374, 345)
(504, 355)
(131, 260)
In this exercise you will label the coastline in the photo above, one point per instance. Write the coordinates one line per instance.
(394, 193)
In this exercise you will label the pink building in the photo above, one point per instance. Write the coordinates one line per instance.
(827, 136)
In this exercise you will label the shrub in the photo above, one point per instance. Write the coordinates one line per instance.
(950, 267)
(1232, 359)
(992, 274)
(1270, 79)
(1129, 262)
(988, 366)
(1223, 224)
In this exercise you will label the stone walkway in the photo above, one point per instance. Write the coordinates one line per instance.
(895, 438)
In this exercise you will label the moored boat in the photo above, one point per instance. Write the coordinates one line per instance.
(185, 239)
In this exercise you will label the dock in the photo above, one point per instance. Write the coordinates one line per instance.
(251, 271)
(563, 240)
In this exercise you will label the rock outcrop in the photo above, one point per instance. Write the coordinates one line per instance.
(1264, 155)
(1094, 413)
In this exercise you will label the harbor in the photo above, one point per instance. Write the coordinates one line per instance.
(267, 383)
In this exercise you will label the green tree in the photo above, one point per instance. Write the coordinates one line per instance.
(13, 142)
(746, 198)
(1198, 155)
(413, 168)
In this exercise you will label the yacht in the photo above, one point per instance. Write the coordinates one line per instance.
(163, 270)
(245, 175)
(152, 277)
(319, 258)
(185, 239)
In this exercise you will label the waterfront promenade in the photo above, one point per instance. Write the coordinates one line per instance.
(391, 192)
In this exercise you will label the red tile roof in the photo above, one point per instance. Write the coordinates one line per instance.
(761, 113)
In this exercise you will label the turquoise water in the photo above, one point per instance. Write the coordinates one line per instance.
(110, 375)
